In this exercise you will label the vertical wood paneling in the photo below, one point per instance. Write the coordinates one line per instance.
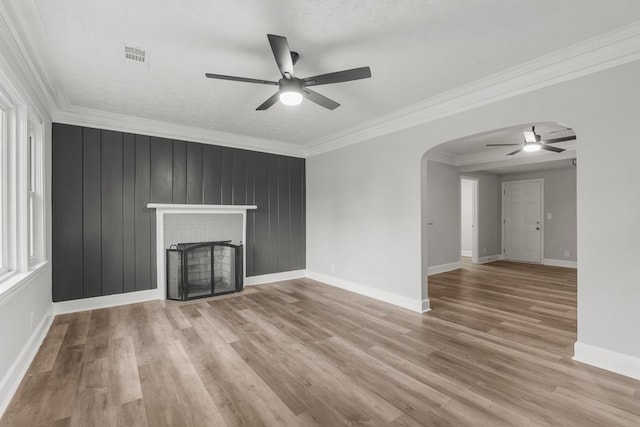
(194, 173)
(226, 167)
(239, 184)
(179, 172)
(128, 213)
(144, 251)
(211, 175)
(161, 170)
(111, 204)
(273, 214)
(91, 213)
(67, 212)
(104, 234)
(283, 214)
(296, 209)
(261, 232)
(251, 215)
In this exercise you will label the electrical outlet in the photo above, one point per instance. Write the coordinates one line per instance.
(566, 254)
(549, 216)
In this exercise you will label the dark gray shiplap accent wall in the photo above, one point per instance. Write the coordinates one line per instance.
(103, 233)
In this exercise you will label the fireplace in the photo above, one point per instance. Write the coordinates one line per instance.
(204, 269)
(197, 224)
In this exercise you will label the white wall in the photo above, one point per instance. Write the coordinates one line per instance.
(364, 201)
(466, 216)
(560, 232)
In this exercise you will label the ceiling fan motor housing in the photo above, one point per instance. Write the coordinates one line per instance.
(290, 85)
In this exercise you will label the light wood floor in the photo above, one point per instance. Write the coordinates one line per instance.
(495, 350)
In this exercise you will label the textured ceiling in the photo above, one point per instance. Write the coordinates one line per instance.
(416, 49)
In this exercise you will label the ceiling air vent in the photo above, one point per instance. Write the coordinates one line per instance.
(136, 56)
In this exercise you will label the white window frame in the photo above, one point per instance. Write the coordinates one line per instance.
(18, 258)
(35, 193)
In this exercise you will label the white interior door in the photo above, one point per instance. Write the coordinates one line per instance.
(522, 210)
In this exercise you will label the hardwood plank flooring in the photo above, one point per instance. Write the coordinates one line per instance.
(495, 350)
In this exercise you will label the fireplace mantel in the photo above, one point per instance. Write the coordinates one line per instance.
(163, 209)
(193, 208)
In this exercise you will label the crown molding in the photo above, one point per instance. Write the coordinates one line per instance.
(18, 61)
(606, 51)
(81, 116)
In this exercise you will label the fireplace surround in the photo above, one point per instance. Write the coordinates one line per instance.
(164, 210)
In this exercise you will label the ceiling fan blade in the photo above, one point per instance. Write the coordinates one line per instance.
(562, 138)
(514, 152)
(282, 54)
(338, 77)
(552, 148)
(240, 79)
(499, 145)
(560, 130)
(269, 102)
(321, 100)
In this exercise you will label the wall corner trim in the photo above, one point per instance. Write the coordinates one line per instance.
(274, 277)
(443, 268)
(9, 384)
(95, 303)
(426, 305)
(384, 296)
(490, 258)
(620, 363)
(560, 263)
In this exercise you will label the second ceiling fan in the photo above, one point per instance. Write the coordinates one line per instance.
(534, 142)
(291, 88)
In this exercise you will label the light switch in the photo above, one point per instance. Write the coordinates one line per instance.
(549, 216)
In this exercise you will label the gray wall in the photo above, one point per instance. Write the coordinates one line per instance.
(489, 215)
(443, 213)
(560, 201)
(103, 233)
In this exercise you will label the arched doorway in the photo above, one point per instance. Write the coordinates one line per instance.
(491, 167)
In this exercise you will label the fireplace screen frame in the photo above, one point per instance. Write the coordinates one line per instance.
(178, 284)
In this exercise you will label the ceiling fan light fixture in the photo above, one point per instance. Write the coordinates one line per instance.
(530, 147)
(290, 91)
(290, 97)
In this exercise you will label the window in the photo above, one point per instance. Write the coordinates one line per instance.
(35, 214)
(22, 216)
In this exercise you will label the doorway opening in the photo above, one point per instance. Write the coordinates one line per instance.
(489, 161)
(469, 218)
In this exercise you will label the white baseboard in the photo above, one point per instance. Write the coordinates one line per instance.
(426, 305)
(275, 277)
(490, 258)
(106, 301)
(560, 263)
(11, 381)
(613, 361)
(443, 268)
(466, 253)
(384, 296)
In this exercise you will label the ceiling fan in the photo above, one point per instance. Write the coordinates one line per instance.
(293, 89)
(534, 142)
